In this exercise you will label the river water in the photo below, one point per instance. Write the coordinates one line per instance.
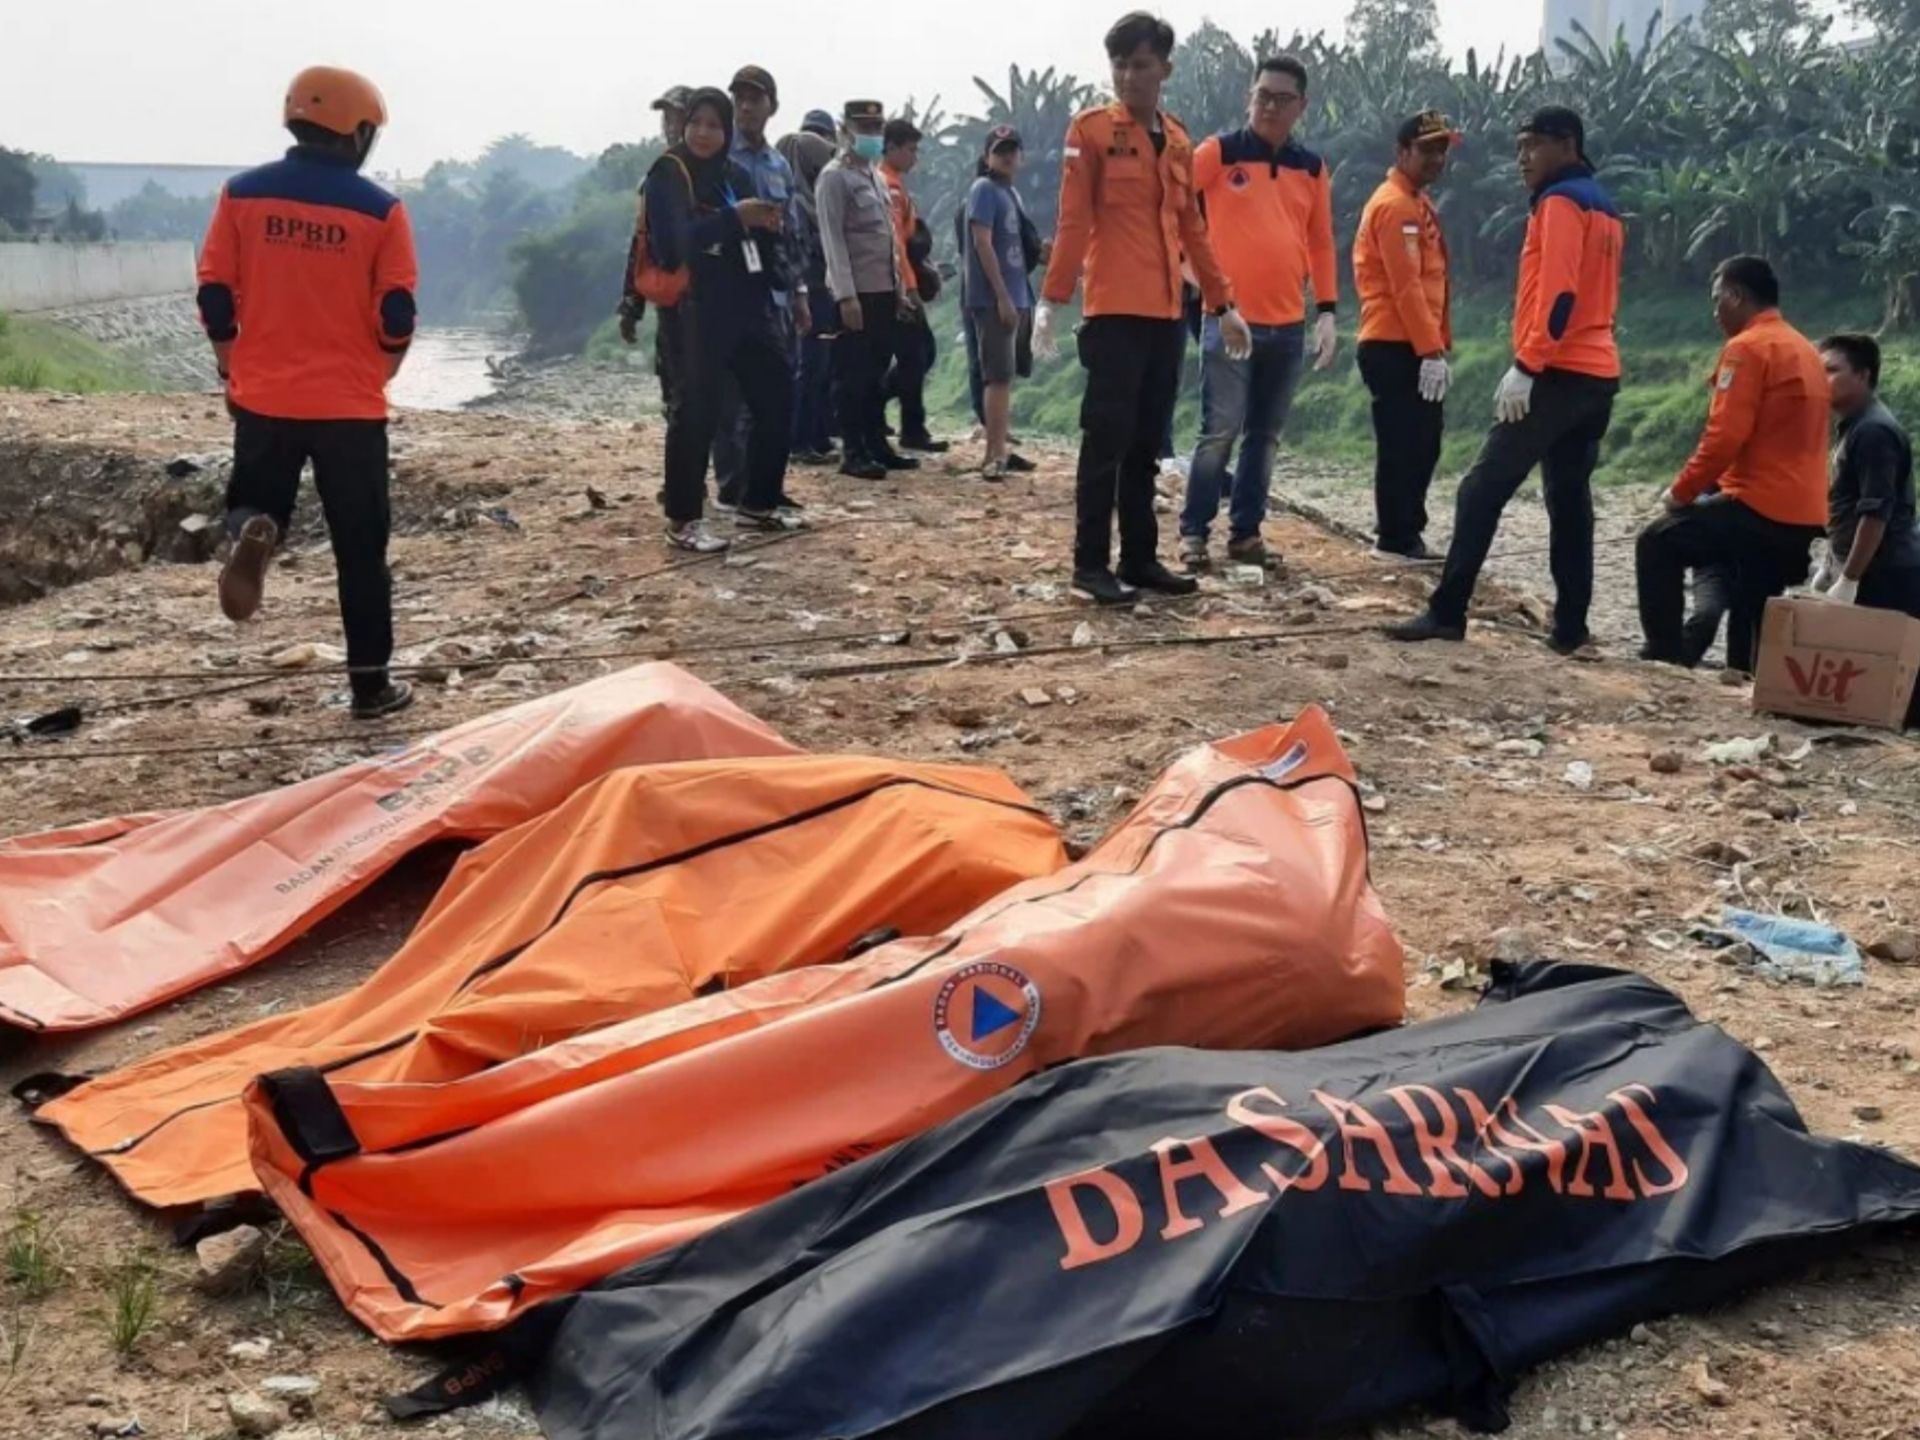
(447, 367)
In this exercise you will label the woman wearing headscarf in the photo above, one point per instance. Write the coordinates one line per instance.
(809, 152)
(701, 218)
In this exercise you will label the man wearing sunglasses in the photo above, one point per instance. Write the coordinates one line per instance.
(1269, 207)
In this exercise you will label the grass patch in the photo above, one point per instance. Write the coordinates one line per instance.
(133, 1300)
(17, 1332)
(36, 355)
(292, 1275)
(32, 1262)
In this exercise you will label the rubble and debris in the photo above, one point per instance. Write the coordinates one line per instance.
(1786, 949)
(230, 1261)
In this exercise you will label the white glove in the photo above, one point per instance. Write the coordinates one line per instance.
(1044, 344)
(1436, 378)
(1843, 591)
(1826, 572)
(1514, 398)
(1325, 340)
(1235, 338)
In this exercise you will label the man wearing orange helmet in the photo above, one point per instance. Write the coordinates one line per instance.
(307, 292)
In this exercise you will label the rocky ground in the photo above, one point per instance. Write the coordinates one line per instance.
(1564, 808)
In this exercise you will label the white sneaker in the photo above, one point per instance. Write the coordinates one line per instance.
(696, 536)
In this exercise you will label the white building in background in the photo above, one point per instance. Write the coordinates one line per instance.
(1603, 19)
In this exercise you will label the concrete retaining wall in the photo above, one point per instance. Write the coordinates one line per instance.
(51, 277)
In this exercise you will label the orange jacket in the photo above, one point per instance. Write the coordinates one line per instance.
(308, 269)
(1125, 218)
(1570, 280)
(1400, 270)
(1270, 215)
(1766, 439)
(904, 218)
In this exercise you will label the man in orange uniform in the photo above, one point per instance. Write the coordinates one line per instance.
(1127, 210)
(1554, 404)
(1406, 331)
(1269, 208)
(306, 291)
(915, 351)
(1765, 449)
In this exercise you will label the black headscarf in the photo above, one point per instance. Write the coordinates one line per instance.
(709, 176)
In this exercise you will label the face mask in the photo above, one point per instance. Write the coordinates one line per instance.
(869, 147)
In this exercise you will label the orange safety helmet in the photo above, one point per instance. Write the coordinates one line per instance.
(334, 99)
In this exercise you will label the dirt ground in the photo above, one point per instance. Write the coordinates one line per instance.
(531, 541)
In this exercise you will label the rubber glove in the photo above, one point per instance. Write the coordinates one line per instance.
(1843, 591)
(1235, 337)
(1826, 572)
(1514, 399)
(1325, 340)
(1044, 344)
(1436, 378)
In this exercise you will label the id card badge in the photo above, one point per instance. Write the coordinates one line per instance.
(751, 250)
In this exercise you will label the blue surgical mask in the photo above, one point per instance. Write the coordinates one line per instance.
(870, 147)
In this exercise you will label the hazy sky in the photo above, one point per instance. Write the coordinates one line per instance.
(201, 80)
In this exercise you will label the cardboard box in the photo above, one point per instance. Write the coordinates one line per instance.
(1822, 661)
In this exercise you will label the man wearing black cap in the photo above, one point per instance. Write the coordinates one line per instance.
(863, 271)
(672, 106)
(1555, 402)
(756, 100)
(1400, 270)
(914, 347)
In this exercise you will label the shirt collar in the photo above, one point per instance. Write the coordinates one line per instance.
(318, 155)
(1579, 170)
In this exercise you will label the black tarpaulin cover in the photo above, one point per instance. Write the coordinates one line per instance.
(1176, 1242)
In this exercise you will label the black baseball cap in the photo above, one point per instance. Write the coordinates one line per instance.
(676, 97)
(758, 79)
(819, 122)
(1427, 126)
(1003, 137)
(1557, 122)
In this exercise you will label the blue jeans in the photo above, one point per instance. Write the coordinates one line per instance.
(1244, 401)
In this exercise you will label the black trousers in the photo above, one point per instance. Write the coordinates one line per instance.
(350, 472)
(914, 354)
(1133, 378)
(1711, 599)
(1562, 435)
(860, 362)
(1762, 556)
(707, 351)
(1889, 587)
(733, 431)
(1407, 432)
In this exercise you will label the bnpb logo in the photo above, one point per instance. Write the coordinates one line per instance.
(985, 1014)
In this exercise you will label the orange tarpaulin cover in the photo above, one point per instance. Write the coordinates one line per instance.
(108, 919)
(647, 888)
(1232, 910)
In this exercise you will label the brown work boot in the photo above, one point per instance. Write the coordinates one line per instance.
(1247, 550)
(243, 580)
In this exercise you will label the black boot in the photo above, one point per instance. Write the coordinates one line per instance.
(1424, 627)
(1100, 587)
(1155, 576)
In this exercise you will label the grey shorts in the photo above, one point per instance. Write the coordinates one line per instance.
(997, 344)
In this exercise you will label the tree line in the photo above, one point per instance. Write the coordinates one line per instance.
(1763, 129)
